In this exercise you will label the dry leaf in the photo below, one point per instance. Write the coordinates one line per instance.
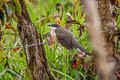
(43, 19)
(8, 26)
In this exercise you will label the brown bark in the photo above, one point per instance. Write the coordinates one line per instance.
(108, 25)
(35, 55)
(110, 29)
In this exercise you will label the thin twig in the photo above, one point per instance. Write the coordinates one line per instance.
(26, 45)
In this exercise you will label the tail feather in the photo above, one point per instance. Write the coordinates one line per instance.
(77, 45)
(83, 50)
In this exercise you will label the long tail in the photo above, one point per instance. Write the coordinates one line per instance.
(78, 46)
(83, 50)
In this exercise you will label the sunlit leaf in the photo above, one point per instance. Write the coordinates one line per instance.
(59, 22)
(15, 17)
(18, 6)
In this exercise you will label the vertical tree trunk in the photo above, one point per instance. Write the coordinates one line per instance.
(100, 12)
(111, 31)
(35, 55)
(108, 25)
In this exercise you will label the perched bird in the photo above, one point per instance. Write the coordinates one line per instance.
(65, 38)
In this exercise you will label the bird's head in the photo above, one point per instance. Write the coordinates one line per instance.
(54, 25)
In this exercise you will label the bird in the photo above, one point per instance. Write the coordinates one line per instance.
(65, 38)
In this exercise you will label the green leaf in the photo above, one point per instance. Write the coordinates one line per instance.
(18, 6)
(8, 12)
(63, 74)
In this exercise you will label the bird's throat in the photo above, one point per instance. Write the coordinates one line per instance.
(53, 34)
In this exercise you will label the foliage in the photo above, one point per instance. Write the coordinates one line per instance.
(12, 58)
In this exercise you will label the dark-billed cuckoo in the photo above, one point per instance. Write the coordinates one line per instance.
(65, 38)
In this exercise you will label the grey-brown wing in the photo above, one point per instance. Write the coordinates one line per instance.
(64, 37)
